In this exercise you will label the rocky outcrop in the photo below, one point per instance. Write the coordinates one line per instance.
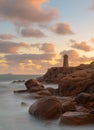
(83, 98)
(55, 74)
(72, 101)
(76, 83)
(33, 85)
(76, 118)
(46, 108)
(86, 100)
(68, 109)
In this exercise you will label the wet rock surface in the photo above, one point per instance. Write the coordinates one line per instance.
(33, 85)
(76, 118)
(46, 108)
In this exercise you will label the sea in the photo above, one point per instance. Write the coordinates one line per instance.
(14, 113)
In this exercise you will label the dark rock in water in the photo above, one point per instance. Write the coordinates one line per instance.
(18, 81)
(76, 118)
(33, 85)
(46, 108)
(20, 91)
(24, 104)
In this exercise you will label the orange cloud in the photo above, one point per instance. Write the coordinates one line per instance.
(47, 47)
(37, 3)
(92, 40)
(82, 46)
(28, 63)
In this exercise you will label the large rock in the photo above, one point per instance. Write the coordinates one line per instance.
(33, 85)
(68, 106)
(76, 83)
(40, 94)
(86, 100)
(53, 91)
(83, 98)
(76, 118)
(46, 108)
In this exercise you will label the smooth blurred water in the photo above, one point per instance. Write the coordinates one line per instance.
(14, 116)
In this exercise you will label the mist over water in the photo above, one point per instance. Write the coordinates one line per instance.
(15, 116)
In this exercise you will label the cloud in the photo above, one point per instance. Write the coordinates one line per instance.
(62, 29)
(28, 63)
(92, 6)
(11, 47)
(45, 47)
(37, 3)
(75, 58)
(92, 40)
(82, 46)
(30, 32)
(72, 54)
(23, 12)
(21, 58)
(6, 36)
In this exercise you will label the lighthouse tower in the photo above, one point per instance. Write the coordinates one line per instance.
(65, 61)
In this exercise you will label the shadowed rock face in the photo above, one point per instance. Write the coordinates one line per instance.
(83, 98)
(77, 83)
(46, 108)
(76, 118)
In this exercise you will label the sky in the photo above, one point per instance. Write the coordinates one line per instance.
(35, 34)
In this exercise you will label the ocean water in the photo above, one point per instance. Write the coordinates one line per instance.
(15, 116)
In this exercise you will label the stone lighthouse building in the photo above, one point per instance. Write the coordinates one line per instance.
(65, 61)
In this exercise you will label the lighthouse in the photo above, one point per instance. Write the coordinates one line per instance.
(65, 61)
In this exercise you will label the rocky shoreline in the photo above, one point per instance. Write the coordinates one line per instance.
(72, 102)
